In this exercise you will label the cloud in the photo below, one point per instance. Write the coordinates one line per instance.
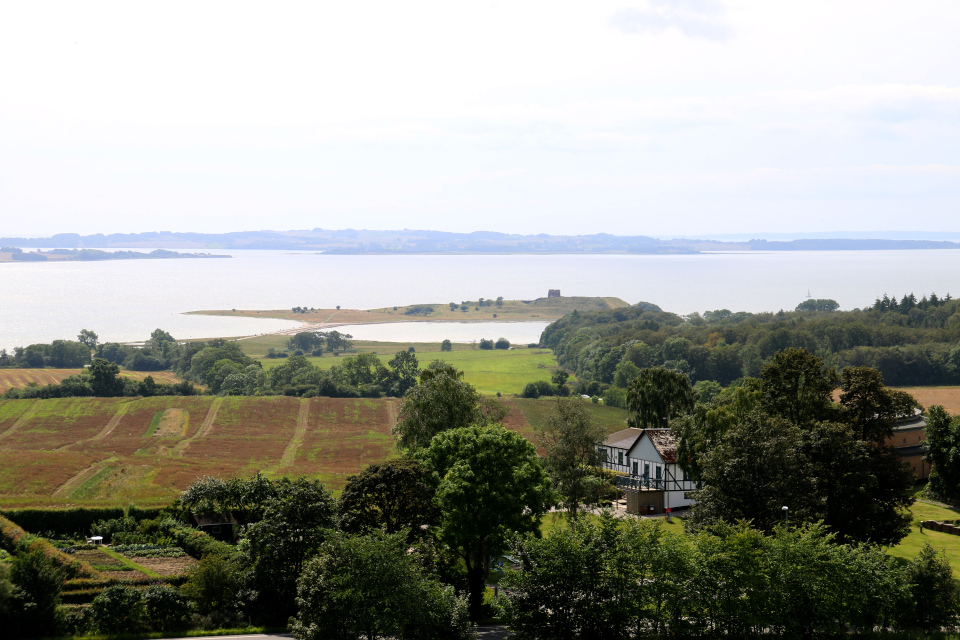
(693, 18)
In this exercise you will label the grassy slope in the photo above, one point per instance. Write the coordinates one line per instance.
(948, 544)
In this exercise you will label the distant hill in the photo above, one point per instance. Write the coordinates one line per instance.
(408, 241)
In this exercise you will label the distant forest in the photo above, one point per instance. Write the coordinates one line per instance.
(910, 341)
(407, 241)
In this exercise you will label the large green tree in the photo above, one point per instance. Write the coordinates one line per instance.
(295, 523)
(571, 439)
(796, 385)
(439, 402)
(490, 484)
(657, 395)
(394, 495)
(942, 451)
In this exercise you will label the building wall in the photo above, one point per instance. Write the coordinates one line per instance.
(907, 437)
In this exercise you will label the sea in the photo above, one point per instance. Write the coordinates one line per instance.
(125, 300)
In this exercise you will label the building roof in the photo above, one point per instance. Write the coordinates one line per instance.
(206, 520)
(623, 439)
(664, 442)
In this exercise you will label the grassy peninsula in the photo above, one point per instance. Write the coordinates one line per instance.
(482, 310)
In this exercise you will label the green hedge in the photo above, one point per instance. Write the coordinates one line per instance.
(72, 522)
(198, 544)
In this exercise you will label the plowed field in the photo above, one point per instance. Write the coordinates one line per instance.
(109, 451)
(20, 378)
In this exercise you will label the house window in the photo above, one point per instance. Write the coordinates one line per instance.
(620, 458)
(658, 473)
(634, 467)
(646, 469)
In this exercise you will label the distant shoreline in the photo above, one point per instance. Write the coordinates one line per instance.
(96, 255)
(425, 242)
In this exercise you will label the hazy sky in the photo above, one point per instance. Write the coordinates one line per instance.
(630, 117)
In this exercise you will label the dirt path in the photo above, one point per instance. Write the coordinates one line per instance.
(204, 427)
(290, 453)
(21, 420)
(392, 412)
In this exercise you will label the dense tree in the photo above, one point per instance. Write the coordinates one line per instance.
(38, 583)
(406, 369)
(625, 580)
(502, 343)
(657, 395)
(571, 438)
(753, 471)
(439, 402)
(305, 341)
(797, 386)
(394, 496)
(369, 587)
(489, 483)
(446, 345)
(295, 523)
(942, 452)
(88, 338)
(105, 380)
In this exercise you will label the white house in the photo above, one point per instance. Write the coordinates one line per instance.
(654, 480)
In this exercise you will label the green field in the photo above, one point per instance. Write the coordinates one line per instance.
(506, 371)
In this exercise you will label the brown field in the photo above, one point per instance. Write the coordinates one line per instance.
(167, 566)
(109, 451)
(19, 378)
(947, 397)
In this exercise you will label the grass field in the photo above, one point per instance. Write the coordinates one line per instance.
(489, 371)
(19, 378)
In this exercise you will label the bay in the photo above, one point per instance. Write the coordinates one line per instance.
(126, 300)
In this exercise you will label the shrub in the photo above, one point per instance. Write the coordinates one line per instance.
(486, 344)
(446, 345)
(538, 389)
(118, 609)
(166, 608)
(212, 584)
(502, 343)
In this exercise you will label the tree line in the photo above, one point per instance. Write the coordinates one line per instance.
(911, 342)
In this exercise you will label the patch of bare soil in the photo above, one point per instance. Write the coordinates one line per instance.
(167, 566)
(171, 424)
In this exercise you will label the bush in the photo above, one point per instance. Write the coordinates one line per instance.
(486, 345)
(502, 343)
(446, 345)
(538, 389)
(118, 609)
(166, 608)
(615, 397)
(212, 584)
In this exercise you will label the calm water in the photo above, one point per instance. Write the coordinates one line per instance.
(126, 300)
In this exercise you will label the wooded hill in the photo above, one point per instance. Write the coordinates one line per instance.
(911, 341)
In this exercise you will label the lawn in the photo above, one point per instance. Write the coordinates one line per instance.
(536, 411)
(506, 371)
(948, 544)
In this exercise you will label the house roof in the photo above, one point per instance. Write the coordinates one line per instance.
(623, 439)
(664, 442)
(205, 520)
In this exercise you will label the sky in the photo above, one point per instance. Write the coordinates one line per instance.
(651, 117)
